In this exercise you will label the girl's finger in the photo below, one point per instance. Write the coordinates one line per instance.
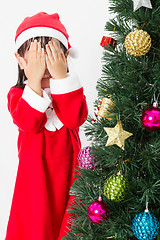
(43, 53)
(54, 50)
(39, 49)
(34, 46)
(31, 46)
(58, 48)
(62, 56)
(47, 60)
(49, 53)
(32, 50)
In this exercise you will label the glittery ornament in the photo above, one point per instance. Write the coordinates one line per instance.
(85, 159)
(117, 135)
(151, 118)
(103, 111)
(115, 187)
(145, 226)
(138, 43)
(108, 41)
(98, 211)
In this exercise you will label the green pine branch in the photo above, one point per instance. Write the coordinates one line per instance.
(132, 83)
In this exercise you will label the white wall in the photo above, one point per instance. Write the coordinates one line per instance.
(85, 21)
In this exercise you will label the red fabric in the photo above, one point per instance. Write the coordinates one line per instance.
(47, 161)
(42, 19)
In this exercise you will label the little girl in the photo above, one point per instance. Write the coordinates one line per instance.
(48, 106)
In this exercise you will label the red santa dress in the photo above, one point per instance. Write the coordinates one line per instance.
(48, 145)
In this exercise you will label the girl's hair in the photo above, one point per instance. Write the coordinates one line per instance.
(21, 51)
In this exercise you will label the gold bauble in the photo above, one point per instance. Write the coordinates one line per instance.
(138, 43)
(105, 105)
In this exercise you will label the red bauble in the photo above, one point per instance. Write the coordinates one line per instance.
(98, 211)
(151, 118)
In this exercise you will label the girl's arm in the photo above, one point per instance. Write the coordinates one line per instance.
(33, 64)
(69, 101)
(27, 109)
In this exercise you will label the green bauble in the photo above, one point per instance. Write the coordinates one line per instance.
(115, 187)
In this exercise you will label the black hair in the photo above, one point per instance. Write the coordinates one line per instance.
(21, 51)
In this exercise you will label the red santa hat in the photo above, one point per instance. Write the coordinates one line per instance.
(42, 24)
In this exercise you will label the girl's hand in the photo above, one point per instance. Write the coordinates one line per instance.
(56, 61)
(34, 67)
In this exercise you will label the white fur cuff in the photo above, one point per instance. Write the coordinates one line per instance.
(34, 100)
(65, 85)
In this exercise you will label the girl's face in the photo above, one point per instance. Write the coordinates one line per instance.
(52, 40)
(46, 76)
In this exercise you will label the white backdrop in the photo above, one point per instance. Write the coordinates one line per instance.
(84, 21)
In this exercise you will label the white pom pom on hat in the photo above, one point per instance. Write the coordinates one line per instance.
(73, 52)
(43, 24)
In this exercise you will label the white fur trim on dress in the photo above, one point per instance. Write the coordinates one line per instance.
(41, 31)
(53, 122)
(34, 100)
(65, 85)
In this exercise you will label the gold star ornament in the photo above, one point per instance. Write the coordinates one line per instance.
(117, 135)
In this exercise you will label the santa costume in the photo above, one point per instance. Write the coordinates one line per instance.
(48, 144)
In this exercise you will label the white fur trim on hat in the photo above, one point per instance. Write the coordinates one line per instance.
(40, 31)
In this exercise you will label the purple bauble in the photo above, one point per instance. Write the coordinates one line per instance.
(151, 118)
(85, 159)
(98, 211)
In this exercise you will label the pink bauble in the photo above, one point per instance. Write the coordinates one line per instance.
(98, 211)
(151, 119)
(85, 159)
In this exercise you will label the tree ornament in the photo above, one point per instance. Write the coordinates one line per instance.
(141, 3)
(99, 101)
(98, 211)
(151, 118)
(115, 187)
(138, 43)
(108, 41)
(145, 226)
(117, 135)
(85, 159)
(103, 111)
(115, 236)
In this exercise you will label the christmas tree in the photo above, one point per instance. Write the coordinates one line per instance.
(118, 180)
